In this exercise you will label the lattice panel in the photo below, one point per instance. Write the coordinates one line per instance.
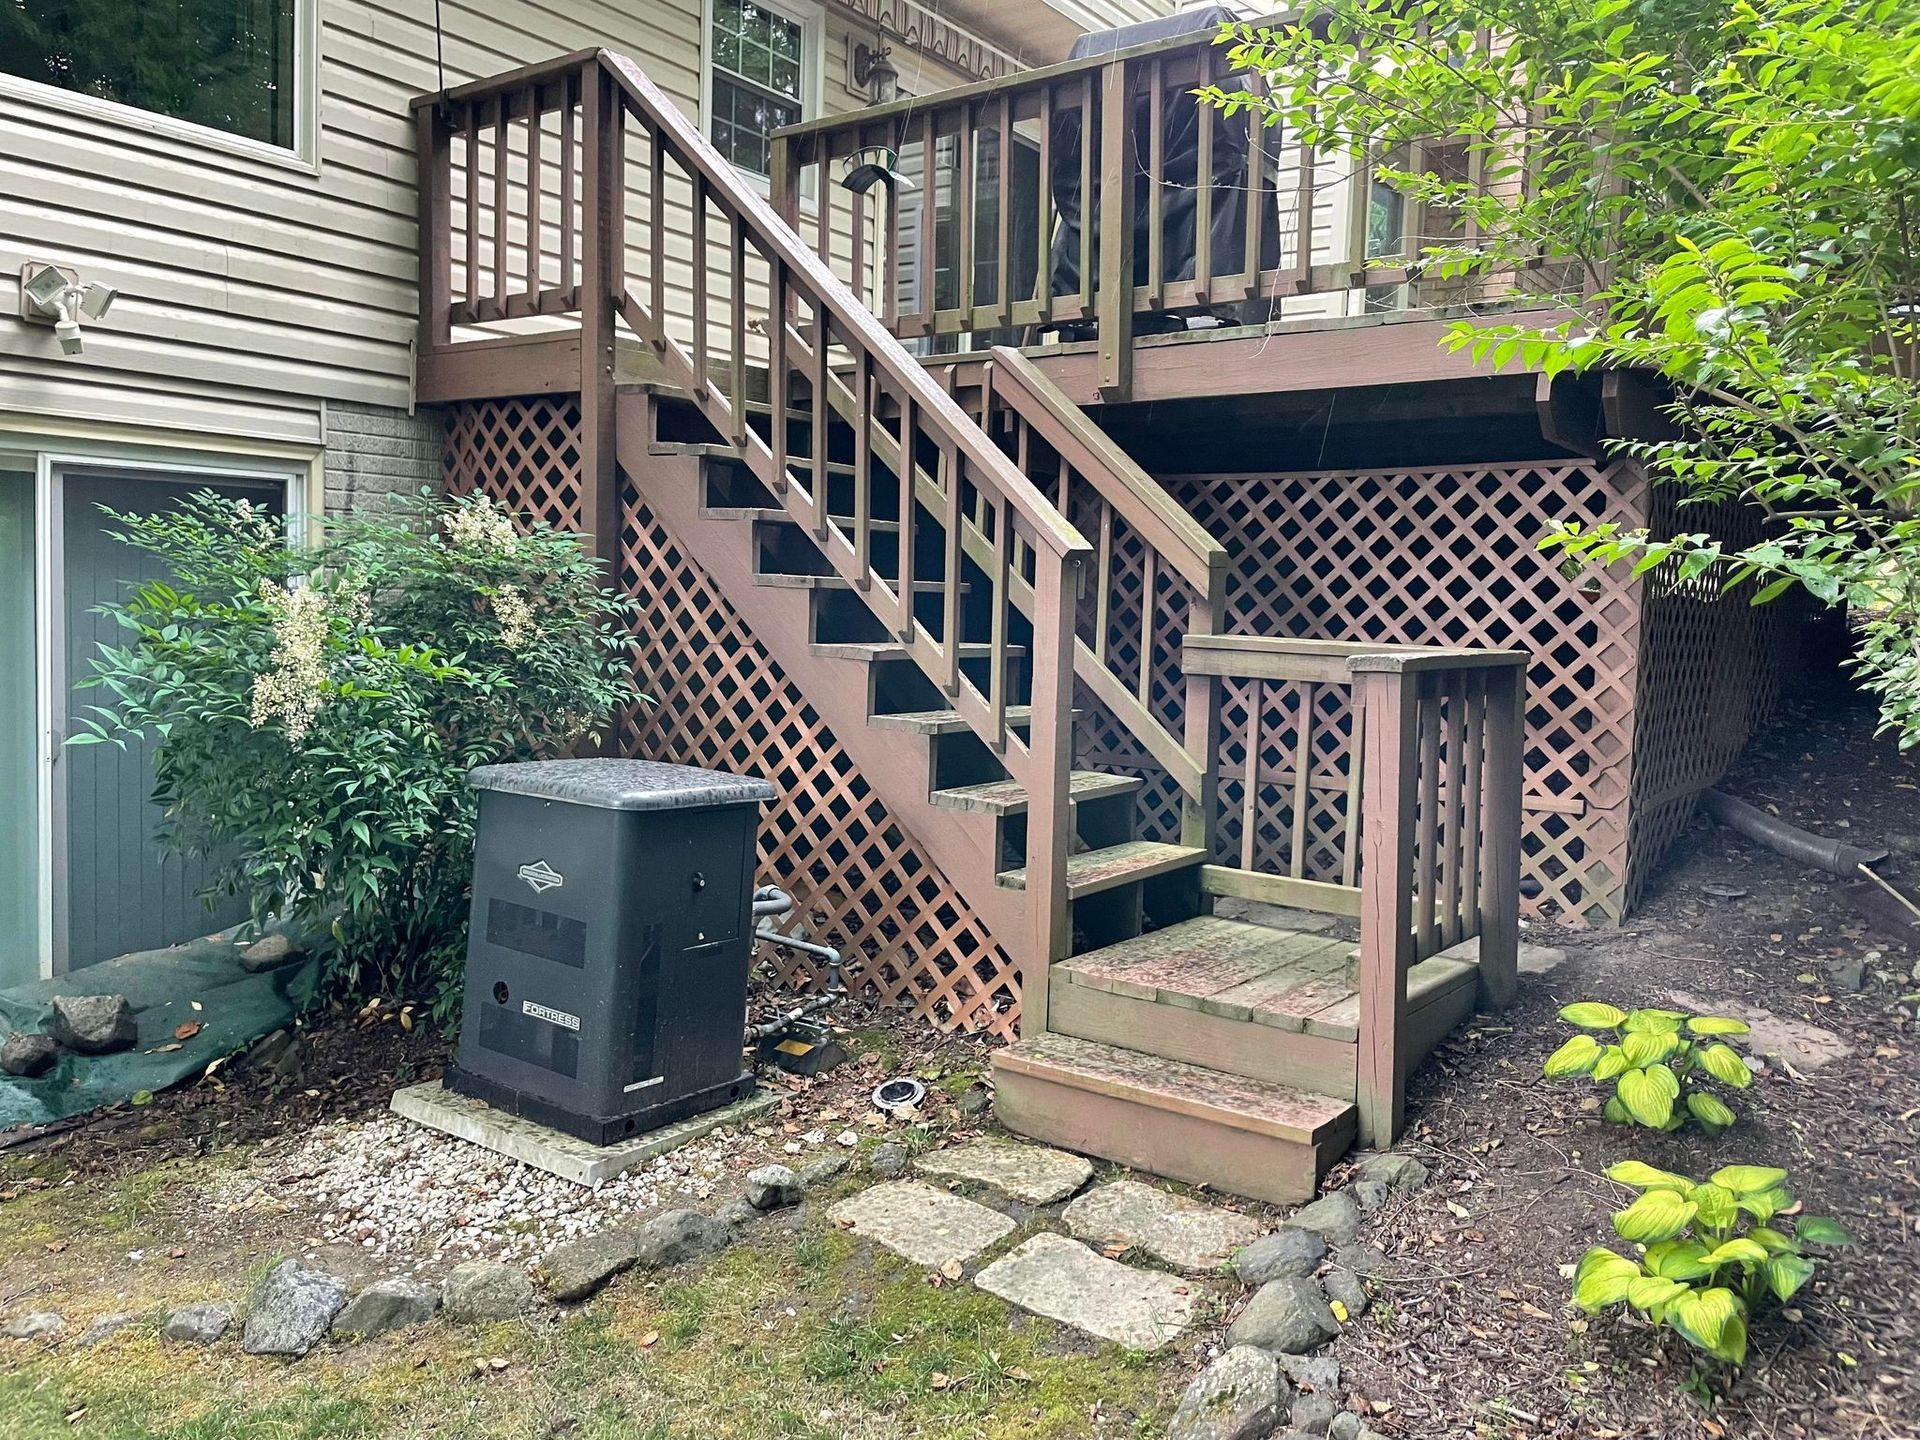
(719, 699)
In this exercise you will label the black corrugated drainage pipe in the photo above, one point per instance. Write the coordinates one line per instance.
(1836, 857)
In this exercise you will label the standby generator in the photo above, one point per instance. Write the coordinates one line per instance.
(610, 941)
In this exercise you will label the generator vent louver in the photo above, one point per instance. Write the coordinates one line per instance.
(607, 957)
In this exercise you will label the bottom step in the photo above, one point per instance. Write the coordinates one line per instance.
(1185, 1122)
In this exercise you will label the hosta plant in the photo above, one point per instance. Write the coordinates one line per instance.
(1710, 1254)
(1655, 1060)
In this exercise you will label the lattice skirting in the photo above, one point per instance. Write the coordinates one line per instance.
(718, 699)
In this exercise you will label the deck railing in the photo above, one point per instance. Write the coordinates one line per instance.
(1010, 222)
(1383, 782)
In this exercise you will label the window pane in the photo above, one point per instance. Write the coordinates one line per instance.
(743, 119)
(227, 64)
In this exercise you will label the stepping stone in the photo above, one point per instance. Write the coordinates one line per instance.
(1065, 1281)
(1030, 1174)
(922, 1224)
(1174, 1230)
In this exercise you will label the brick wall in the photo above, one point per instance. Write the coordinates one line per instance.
(374, 452)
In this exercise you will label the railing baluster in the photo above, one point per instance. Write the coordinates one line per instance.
(1089, 138)
(954, 486)
(1304, 200)
(903, 625)
(1256, 189)
(1103, 569)
(966, 256)
(929, 217)
(779, 378)
(867, 417)
(1425, 853)
(1203, 196)
(471, 255)
(1475, 777)
(1043, 210)
(1302, 778)
(817, 420)
(534, 167)
(701, 381)
(1000, 600)
(1156, 185)
(1250, 798)
(1453, 813)
(502, 205)
(657, 243)
(1356, 770)
(737, 331)
(1500, 885)
(1149, 613)
(1003, 249)
(568, 143)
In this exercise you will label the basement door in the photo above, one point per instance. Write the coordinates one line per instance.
(115, 889)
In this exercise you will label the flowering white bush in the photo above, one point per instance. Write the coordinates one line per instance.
(318, 710)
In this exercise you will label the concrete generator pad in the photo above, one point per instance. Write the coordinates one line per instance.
(922, 1224)
(1065, 1281)
(567, 1156)
(1030, 1174)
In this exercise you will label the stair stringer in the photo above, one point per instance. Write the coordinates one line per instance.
(895, 764)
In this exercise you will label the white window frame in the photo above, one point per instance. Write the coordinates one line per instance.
(49, 457)
(305, 154)
(812, 20)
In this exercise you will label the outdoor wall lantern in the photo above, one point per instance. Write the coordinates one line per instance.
(875, 72)
(54, 296)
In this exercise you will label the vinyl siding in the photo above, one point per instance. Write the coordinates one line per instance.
(251, 292)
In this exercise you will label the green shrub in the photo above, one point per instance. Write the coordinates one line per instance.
(1654, 1058)
(1710, 1254)
(317, 710)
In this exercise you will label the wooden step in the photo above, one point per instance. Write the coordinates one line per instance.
(780, 581)
(1009, 797)
(772, 514)
(1183, 1121)
(942, 722)
(876, 651)
(1092, 871)
(710, 450)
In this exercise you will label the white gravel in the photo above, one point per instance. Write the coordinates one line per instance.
(408, 1194)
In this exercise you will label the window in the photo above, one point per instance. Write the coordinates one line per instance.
(758, 58)
(227, 65)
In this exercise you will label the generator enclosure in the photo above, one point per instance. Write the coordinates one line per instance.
(611, 935)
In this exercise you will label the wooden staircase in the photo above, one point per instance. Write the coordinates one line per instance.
(909, 556)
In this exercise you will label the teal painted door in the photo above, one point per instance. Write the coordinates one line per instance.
(121, 892)
(20, 941)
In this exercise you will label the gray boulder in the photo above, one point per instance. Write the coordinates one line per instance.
(1320, 1373)
(1369, 1194)
(579, 1268)
(1369, 1262)
(1237, 1397)
(772, 1186)
(94, 1024)
(824, 1171)
(888, 1161)
(483, 1290)
(1313, 1412)
(1348, 1426)
(1347, 1288)
(1397, 1172)
(975, 1101)
(1288, 1315)
(107, 1326)
(34, 1325)
(291, 1310)
(1334, 1218)
(736, 1212)
(679, 1236)
(1285, 1252)
(199, 1324)
(270, 952)
(28, 1055)
(393, 1303)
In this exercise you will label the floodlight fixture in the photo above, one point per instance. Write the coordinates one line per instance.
(54, 296)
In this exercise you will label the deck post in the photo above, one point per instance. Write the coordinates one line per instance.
(433, 150)
(602, 279)
(1387, 699)
(1500, 901)
(1114, 299)
(1049, 751)
(1200, 813)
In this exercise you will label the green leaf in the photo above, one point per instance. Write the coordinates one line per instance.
(1702, 1316)
(1738, 1251)
(1645, 1097)
(1678, 1259)
(1748, 1179)
(1647, 1291)
(1593, 1015)
(1725, 1065)
(1716, 1205)
(1656, 1215)
(1819, 1230)
(1716, 1025)
(1644, 1048)
(1576, 1057)
(1786, 1274)
(1771, 1240)
(1654, 1022)
(1614, 1113)
(1642, 1176)
(1602, 1279)
(1712, 1112)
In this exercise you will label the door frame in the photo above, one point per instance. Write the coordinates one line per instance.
(297, 469)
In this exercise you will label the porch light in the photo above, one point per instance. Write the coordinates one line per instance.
(874, 71)
(55, 296)
(869, 166)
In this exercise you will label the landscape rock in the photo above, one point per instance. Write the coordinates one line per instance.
(94, 1024)
(975, 1101)
(1348, 1289)
(772, 1186)
(1334, 1218)
(1288, 1315)
(736, 1212)
(1347, 1426)
(34, 1325)
(1237, 1397)
(1065, 1281)
(270, 952)
(824, 1171)
(393, 1303)
(1369, 1195)
(677, 1237)
(1030, 1174)
(107, 1326)
(1286, 1252)
(1312, 1412)
(1849, 977)
(276, 1054)
(580, 1267)
(291, 1310)
(1176, 1231)
(198, 1324)
(888, 1161)
(1400, 1173)
(28, 1055)
(483, 1290)
(1369, 1262)
(1318, 1373)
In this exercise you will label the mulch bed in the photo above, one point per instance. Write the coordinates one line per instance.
(1482, 1341)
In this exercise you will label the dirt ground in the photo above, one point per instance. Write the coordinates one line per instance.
(799, 1333)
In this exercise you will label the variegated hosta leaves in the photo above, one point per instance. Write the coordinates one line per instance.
(1650, 1054)
(1696, 1274)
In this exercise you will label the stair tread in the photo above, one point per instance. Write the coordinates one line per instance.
(1009, 797)
(775, 514)
(719, 450)
(1092, 871)
(1241, 971)
(1174, 1085)
(783, 581)
(941, 722)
